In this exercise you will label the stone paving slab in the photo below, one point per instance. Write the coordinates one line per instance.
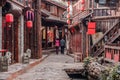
(52, 68)
(19, 68)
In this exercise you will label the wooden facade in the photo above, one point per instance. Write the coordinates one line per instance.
(107, 20)
(17, 37)
(52, 22)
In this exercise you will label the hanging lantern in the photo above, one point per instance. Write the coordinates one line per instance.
(91, 25)
(82, 8)
(68, 9)
(68, 2)
(91, 31)
(82, 1)
(68, 21)
(68, 15)
(29, 15)
(29, 24)
(9, 18)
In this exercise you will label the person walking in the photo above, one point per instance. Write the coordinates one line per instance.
(62, 44)
(57, 44)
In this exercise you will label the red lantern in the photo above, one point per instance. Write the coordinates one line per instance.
(82, 1)
(68, 2)
(68, 15)
(9, 18)
(82, 8)
(68, 21)
(91, 31)
(68, 9)
(91, 25)
(29, 24)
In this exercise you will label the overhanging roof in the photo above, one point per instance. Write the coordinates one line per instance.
(56, 3)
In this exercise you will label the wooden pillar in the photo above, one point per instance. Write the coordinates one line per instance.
(46, 37)
(38, 24)
(0, 27)
(83, 41)
(21, 38)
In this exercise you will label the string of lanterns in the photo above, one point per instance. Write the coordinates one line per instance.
(68, 11)
(82, 5)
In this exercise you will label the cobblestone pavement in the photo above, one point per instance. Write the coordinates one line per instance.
(52, 68)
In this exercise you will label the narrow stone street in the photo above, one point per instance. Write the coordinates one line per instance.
(52, 68)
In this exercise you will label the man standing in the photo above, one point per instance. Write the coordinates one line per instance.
(62, 44)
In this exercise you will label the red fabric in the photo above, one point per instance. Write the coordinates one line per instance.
(91, 25)
(91, 31)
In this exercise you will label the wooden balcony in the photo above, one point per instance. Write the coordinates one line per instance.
(108, 37)
(102, 13)
(112, 53)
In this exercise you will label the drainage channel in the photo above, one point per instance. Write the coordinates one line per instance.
(76, 74)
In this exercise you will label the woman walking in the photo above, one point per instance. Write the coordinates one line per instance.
(57, 44)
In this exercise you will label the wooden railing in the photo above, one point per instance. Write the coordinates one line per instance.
(109, 36)
(112, 53)
(98, 12)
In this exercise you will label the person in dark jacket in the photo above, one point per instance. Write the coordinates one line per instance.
(62, 45)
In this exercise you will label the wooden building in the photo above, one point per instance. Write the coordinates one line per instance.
(105, 39)
(52, 22)
(18, 36)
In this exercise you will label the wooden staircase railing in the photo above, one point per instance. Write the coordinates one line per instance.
(109, 36)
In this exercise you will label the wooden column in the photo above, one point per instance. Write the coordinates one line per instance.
(38, 24)
(21, 38)
(83, 41)
(0, 27)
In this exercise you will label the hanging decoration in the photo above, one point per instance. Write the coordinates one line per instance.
(91, 28)
(30, 15)
(68, 11)
(82, 5)
(82, 1)
(9, 18)
(29, 24)
(29, 18)
(68, 16)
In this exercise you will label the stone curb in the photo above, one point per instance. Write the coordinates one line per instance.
(28, 67)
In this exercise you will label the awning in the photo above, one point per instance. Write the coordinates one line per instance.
(45, 12)
(55, 19)
(16, 10)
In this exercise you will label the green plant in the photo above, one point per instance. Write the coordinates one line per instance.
(113, 75)
(87, 60)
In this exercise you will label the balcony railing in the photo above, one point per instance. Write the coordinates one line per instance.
(112, 53)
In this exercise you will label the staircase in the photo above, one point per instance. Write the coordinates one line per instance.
(108, 37)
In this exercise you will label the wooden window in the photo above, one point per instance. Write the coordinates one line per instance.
(53, 9)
